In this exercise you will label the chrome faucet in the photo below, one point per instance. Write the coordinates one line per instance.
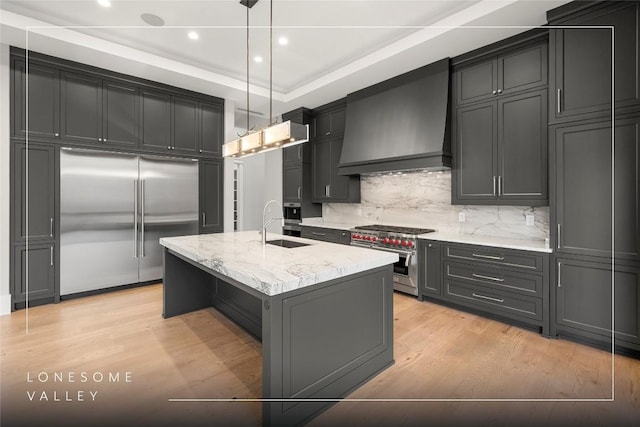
(266, 224)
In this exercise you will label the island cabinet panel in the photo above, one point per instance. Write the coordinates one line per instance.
(584, 301)
(580, 61)
(35, 100)
(512, 285)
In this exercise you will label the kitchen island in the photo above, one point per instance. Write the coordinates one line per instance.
(323, 311)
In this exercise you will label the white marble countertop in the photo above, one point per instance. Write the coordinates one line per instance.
(499, 242)
(272, 269)
(318, 222)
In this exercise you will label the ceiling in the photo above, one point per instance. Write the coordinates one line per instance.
(334, 46)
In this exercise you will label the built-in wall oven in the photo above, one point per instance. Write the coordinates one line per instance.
(292, 219)
(400, 240)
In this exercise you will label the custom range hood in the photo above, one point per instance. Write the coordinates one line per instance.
(399, 124)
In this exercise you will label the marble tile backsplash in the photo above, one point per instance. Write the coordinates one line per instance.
(423, 199)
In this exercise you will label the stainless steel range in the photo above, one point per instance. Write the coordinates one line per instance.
(401, 240)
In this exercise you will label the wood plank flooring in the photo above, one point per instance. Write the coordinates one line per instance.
(440, 354)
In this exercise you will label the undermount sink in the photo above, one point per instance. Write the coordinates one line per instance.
(286, 243)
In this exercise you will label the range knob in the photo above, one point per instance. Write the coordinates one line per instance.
(367, 238)
(410, 244)
(385, 240)
(404, 243)
(374, 238)
(354, 236)
(394, 242)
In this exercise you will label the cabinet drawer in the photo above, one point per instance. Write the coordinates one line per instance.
(324, 234)
(496, 256)
(527, 284)
(493, 300)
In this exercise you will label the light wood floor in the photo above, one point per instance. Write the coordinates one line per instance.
(440, 354)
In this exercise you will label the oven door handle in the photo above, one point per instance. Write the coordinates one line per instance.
(406, 253)
(406, 262)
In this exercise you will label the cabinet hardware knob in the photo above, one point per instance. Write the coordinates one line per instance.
(499, 90)
(169, 147)
(201, 151)
(100, 139)
(494, 92)
(56, 134)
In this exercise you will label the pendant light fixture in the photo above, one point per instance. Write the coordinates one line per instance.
(276, 135)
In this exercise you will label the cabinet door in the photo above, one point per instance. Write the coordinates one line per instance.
(81, 112)
(429, 268)
(321, 170)
(33, 192)
(185, 126)
(120, 114)
(292, 184)
(211, 129)
(322, 125)
(475, 156)
(477, 81)
(337, 119)
(522, 69)
(292, 154)
(43, 100)
(522, 147)
(211, 196)
(33, 272)
(584, 291)
(156, 121)
(582, 69)
(582, 172)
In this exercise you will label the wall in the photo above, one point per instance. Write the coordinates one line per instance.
(5, 296)
(424, 199)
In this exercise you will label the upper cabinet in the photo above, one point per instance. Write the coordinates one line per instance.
(79, 105)
(326, 144)
(581, 61)
(39, 107)
(504, 74)
(500, 128)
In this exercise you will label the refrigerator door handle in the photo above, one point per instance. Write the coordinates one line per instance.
(142, 218)
(135, 218)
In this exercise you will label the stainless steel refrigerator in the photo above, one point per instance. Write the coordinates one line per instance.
(114, 208)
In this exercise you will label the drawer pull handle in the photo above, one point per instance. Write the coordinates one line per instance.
(489, 298)
(497, 258)
(315, 233)
(480, 276)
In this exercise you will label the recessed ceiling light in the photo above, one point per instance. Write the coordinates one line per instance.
(104, 3)
(193, 35)
(257, 59)
(152, 19)
(283, 41)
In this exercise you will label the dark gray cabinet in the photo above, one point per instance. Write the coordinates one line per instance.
(185, 125)
(81, 107)
(429, 268)
(515, 71)
(211, 127)
(582, 182)
(331, 235)
(497, 282)
(41, 106)
(580, 61)
(500, 151)
(33, 192)
(155, 132)
(584, 292)
(292, 183)
(211, 196)
(120, 117)
(328, 186)
(34, 275)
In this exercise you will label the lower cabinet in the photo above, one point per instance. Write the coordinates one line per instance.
(34, 278)
(331, 235)
(506, 283)
(429, 271)
(584, 290)
(211, 196)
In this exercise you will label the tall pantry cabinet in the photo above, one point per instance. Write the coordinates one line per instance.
(594, 172)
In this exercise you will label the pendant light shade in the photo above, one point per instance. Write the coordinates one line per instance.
(285, 134)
